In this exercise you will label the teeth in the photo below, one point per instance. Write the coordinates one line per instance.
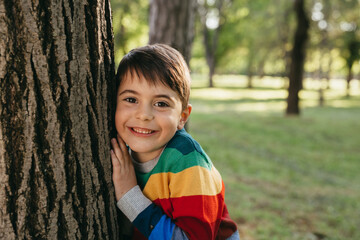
(141, 130)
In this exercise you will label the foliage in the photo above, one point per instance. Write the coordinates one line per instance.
(257, 35)
(334, 24)
(130, 24)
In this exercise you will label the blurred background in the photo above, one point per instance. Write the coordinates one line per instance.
(276, 104)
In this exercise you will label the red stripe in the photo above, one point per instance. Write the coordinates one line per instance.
(199, 216)
(227, 226)
(206, 208)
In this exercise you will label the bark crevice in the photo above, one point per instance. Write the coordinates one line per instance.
(42, 145)
(32, 214)
(91, 35)
(62, 224)
(44, 24)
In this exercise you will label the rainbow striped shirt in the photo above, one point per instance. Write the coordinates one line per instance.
(182, 196)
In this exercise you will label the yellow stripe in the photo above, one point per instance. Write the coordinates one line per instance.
(192, 181)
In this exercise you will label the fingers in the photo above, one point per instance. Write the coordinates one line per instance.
(115, 161)
(120, 150)
(123, 175)
(116, 149)
(121, 144)
(124, 150)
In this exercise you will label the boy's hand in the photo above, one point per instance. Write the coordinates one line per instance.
(123, 170)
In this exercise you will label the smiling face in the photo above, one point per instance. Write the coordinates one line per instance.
(148, 115)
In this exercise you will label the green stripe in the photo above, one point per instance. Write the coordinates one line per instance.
(172, 160)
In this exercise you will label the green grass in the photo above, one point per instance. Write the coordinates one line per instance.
(285, 177)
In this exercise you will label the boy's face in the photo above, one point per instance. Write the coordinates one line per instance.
(147, 116)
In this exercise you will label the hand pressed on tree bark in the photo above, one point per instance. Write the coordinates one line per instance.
(123, 175)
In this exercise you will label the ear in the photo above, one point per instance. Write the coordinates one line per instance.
(184, 116)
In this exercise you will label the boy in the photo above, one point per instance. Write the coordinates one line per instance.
(165, 183)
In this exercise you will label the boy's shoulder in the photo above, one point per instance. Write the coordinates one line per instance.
(183, 152)
(184, 143)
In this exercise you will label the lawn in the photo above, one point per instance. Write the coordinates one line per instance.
(285, 177)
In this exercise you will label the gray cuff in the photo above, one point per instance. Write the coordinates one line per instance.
(133, 203)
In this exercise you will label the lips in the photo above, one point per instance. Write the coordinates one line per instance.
(144, 131)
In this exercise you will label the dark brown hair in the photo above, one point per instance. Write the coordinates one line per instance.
(158, 63)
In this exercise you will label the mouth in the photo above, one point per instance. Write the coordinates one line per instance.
(142, 131)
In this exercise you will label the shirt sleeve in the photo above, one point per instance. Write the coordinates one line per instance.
(197, 200)
(148, 218)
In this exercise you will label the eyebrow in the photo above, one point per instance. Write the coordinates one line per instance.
(163, 96)
(136, 93)
(128, 91)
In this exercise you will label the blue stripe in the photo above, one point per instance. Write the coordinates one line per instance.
(163, 230)
(148, 219)
(235, 236)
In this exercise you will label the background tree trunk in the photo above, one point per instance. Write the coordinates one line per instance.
(56, 76)
(211, 36)
(349, 77)
(250, 66)
(210, 52)
(172, 22)
(297, 59)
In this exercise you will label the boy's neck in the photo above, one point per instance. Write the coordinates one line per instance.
(141, 158)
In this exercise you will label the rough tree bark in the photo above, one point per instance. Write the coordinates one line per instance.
(297, 59)
(56, 80)
(172, 22)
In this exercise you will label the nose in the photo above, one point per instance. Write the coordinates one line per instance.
(144, 112)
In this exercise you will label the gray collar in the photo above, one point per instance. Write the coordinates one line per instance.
(145, 167)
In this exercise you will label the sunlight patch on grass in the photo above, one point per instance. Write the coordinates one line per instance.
(267, 107)
(231, 95)
(238, 100)
(234, 93)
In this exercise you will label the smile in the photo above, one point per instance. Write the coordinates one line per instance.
(142, 130)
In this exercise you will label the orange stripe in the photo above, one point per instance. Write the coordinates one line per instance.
(192, 181)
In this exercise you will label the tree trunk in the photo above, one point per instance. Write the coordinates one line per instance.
(210, 53)
(57, 77)
(348, 80)
(211, 64)
(172, 22)
(328, 71)
(250, 67)
(297, 59)
(211, 36)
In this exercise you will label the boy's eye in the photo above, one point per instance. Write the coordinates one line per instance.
(161, 104)
(130, 100)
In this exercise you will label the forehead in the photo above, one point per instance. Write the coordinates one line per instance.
(140, 83)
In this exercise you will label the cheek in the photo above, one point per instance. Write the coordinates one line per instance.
(118, 120)
(172, 121)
